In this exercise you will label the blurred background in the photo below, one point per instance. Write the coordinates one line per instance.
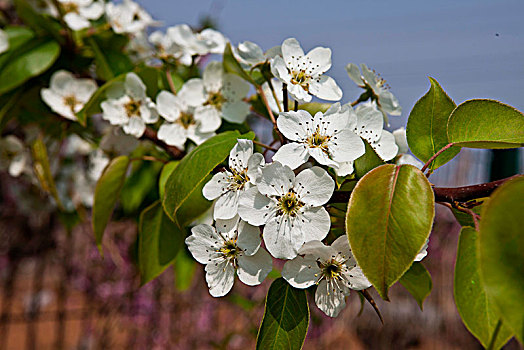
(56, 292)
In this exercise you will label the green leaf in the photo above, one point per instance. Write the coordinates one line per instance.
(164, 175)
(38, 55)
(486, 124)
(465, 219)
(139, 184)
(231, 65)
(286, 318)
(107, 192)
(17, 36)
(183, 188)
(426, 129)
(43, 24)
(159, 241)
(110, 62)
(501, 251)
(389, 217)
(367, 162)
(43, 170)
(476, 310)
(417, 281)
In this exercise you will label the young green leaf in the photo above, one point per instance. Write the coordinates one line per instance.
(43, 170)
(501, 252)
(426, 129)
(107, 192)
(286, 318)
(417, 281)
(486, 124)
(367, 162)
(164, 175)
(140, 184)
(184, 185)
(159, 242)
(389, 218)
(476, 310)
(16, 36)
(35, 58)
(231, 65)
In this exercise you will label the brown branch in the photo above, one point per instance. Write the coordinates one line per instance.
(446, 194)
(370, 300)
(174, 152)
(170, 81)
(285, 98)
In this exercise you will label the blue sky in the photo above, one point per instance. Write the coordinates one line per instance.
(406, 41)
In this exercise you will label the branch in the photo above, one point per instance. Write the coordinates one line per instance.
(439, 152)
(174, 152)
(446, 194)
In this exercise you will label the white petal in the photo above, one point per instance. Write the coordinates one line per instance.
(291, 50)
(57, 104)
(148, 112)
(292, 154)
(192, 92)
(386, 147)
(282, 239)
(135, 127)
(18, 164)
(75, 21)
(279, 70)
(370, 77)
(344, 169)
(93, 11)
(317, 249)
(336, 118)
(240, 154)
(220, 278)
(213, 76)
(226, 206)
(301, 272)
(325, 88)
(401, 140)
(295, 125)
(60, 81)
(135, 87)
(203, 243)
(173, 134)
(341, 246)
(389, 103)
(346, 146)
(357, 280)
(329, 301)
(235, 112)
(84, 89)
(253, 207)
(250, 52)
(215, 187)
(254, 167)
(252, 270)
(369, 122)
(169, 106)
(320, 60)
(298, 93)
(354, 73)
(316, 186)
(276, 179)
(423, 252)
(322, 157)
(208, 118)
(114, 112)
(198, 137)
(234, 88)
(409, 159)
(316, 224)
(248, 238)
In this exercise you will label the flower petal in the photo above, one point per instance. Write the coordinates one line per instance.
(213, 76)
(298, 93)
(276, 179)
(282, 238)
(76, 21)
(279, 70)
(320, 58)
(354, 74)
(369, 122)
(301, 272)
(234, 88)
(135, 127)
(248, 238)
(215, 187)
(192, 92)
(114, 112)
(135, 87)
(291, 50)
(316, 224)
(385, 147)
(344, 168)
(240, 154)
(346, 146)
(168, 106)
(315, 186)
(357, 280)
(203, 243)
(235, 112)
(254, 207)
(220, 278)
(295, 125)
(329, 299)
(292, 154)
(252, 270)
(208, 118)
(226, 206)
(173, 134)
(325, 88)
(254, 167)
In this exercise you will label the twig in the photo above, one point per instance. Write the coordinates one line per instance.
(285, 98)
(170, 81)
(439, 152)
(265, 146)
(174, 152)
(69, 33)
(296, 106)
(470, 212)
(274, 95)
(369, 298)
(271, 116)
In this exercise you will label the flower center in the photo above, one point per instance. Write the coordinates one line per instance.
(215, 99)
(229, 249)
(318, 140)
(289, 204)
(300, 78)
(186, 120)
(70, 7)
(132, 108)
(71, 102)
(238, 180)
(331, 270)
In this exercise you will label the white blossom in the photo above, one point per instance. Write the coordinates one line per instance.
(14, 156)
(4, 41)
(327, 137)
(139, 47)
(182, 122)
(250, 54)
(403, 149)
(227, 186)
(423, 251)
(290, 207)
(232, 247)
(203, 43)
(223, 95)
(304, 74)
(130, 107)
(78, 13)
(332, 268)
(128, 17)
(66, 94)
(377, 87)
